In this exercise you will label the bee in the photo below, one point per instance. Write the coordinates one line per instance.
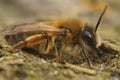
(55, 35)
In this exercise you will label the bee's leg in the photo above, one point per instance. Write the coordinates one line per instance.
(84, 54)
(58, 46)
(30, 41)
(58, 41)
(20, 45)
(48, 40)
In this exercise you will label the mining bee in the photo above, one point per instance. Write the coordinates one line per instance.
(56, 35)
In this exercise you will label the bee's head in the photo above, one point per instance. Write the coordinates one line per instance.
(89, 34)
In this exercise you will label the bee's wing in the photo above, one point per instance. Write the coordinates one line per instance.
(30, 28)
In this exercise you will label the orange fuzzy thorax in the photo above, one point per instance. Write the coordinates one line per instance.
(73, 25)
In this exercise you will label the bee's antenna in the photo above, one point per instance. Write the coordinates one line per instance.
(100, 18)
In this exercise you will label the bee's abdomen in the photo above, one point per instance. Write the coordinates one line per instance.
(13, 39)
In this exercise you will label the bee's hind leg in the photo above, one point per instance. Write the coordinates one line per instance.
(30, 41)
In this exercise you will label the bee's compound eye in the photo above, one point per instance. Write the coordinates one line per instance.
(89, 37)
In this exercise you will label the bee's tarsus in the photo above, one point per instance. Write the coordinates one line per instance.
(19, 45)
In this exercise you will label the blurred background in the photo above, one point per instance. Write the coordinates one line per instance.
(24, 11)
(18, 11)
